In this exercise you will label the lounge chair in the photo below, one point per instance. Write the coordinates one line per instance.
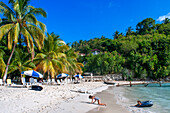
(35, 80)
(25, 84)
(68, 81)
(49, 81)
(31, 80)
(9, 82)
(58, 82)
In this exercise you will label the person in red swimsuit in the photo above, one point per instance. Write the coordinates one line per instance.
(96, 99)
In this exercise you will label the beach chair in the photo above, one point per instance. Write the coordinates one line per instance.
(23, 81)
(45, 82)
(49, 81)
(58, 82)
(35, 80)
(9, 82)
(68, 81)
(1, 82)
(31, 80)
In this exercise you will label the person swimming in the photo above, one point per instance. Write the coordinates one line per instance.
(139, 103)
(96, 99)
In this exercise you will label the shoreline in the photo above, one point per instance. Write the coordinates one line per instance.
(108, 98)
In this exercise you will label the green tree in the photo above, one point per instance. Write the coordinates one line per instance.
(20, 19)
(166, 21)
(129, 31)
(21, 62)
(50, 58)
(116, 35)
(147, 26)
(70, 62)
(2, 63)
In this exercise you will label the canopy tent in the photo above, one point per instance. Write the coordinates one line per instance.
(32, 73)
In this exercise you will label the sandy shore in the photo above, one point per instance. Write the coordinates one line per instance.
(52, 99)
(108, 98)
(58, 99)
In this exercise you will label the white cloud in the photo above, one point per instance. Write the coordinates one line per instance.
(161, 18)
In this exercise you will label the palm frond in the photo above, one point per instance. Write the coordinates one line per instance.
(5, 10)
(2, 65)
(17, 8)
(39, 11)
(16, 32)
(4, 29)
(37, 35)
(27, 36)
(10, 39)
(36, 11)
(42, 26)
(30, 18)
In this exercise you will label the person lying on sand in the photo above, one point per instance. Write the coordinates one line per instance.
(96, 99)
(138, 103)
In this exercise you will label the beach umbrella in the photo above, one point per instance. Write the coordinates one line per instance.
(78, 76)
(32, 73)
(62, 75)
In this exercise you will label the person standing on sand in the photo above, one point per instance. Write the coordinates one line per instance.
(96, 99)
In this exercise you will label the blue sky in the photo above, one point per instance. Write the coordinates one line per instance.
(76, 20)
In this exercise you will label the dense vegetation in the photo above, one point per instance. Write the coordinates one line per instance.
(22, 37)
(143, 53)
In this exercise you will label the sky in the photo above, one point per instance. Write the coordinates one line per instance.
(76, 20)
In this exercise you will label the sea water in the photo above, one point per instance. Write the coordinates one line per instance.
(160, 96)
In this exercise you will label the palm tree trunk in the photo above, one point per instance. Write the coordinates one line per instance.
(33, 53)
(5, 74)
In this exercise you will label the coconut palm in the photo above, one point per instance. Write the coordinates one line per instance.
(2, 63)
(49, 60)
(20, 22)
(21, 62)
(70, 61)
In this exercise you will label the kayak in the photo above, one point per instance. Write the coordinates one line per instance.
(146, 104)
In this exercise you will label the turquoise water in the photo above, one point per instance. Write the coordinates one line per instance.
(159, 95)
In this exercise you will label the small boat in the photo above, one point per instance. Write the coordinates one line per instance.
(109, 82)
(146, 104)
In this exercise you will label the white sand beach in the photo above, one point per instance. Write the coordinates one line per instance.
(52, 99)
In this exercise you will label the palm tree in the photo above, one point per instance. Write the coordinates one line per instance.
(20, 20)
(21, 62)
(129, 31)
(166, 21)
(71, 64)
(2, 63)
(116, 35)
(50, 58)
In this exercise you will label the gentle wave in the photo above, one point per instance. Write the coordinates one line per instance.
(127, 97)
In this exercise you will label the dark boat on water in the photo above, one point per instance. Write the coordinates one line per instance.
(109, 82)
